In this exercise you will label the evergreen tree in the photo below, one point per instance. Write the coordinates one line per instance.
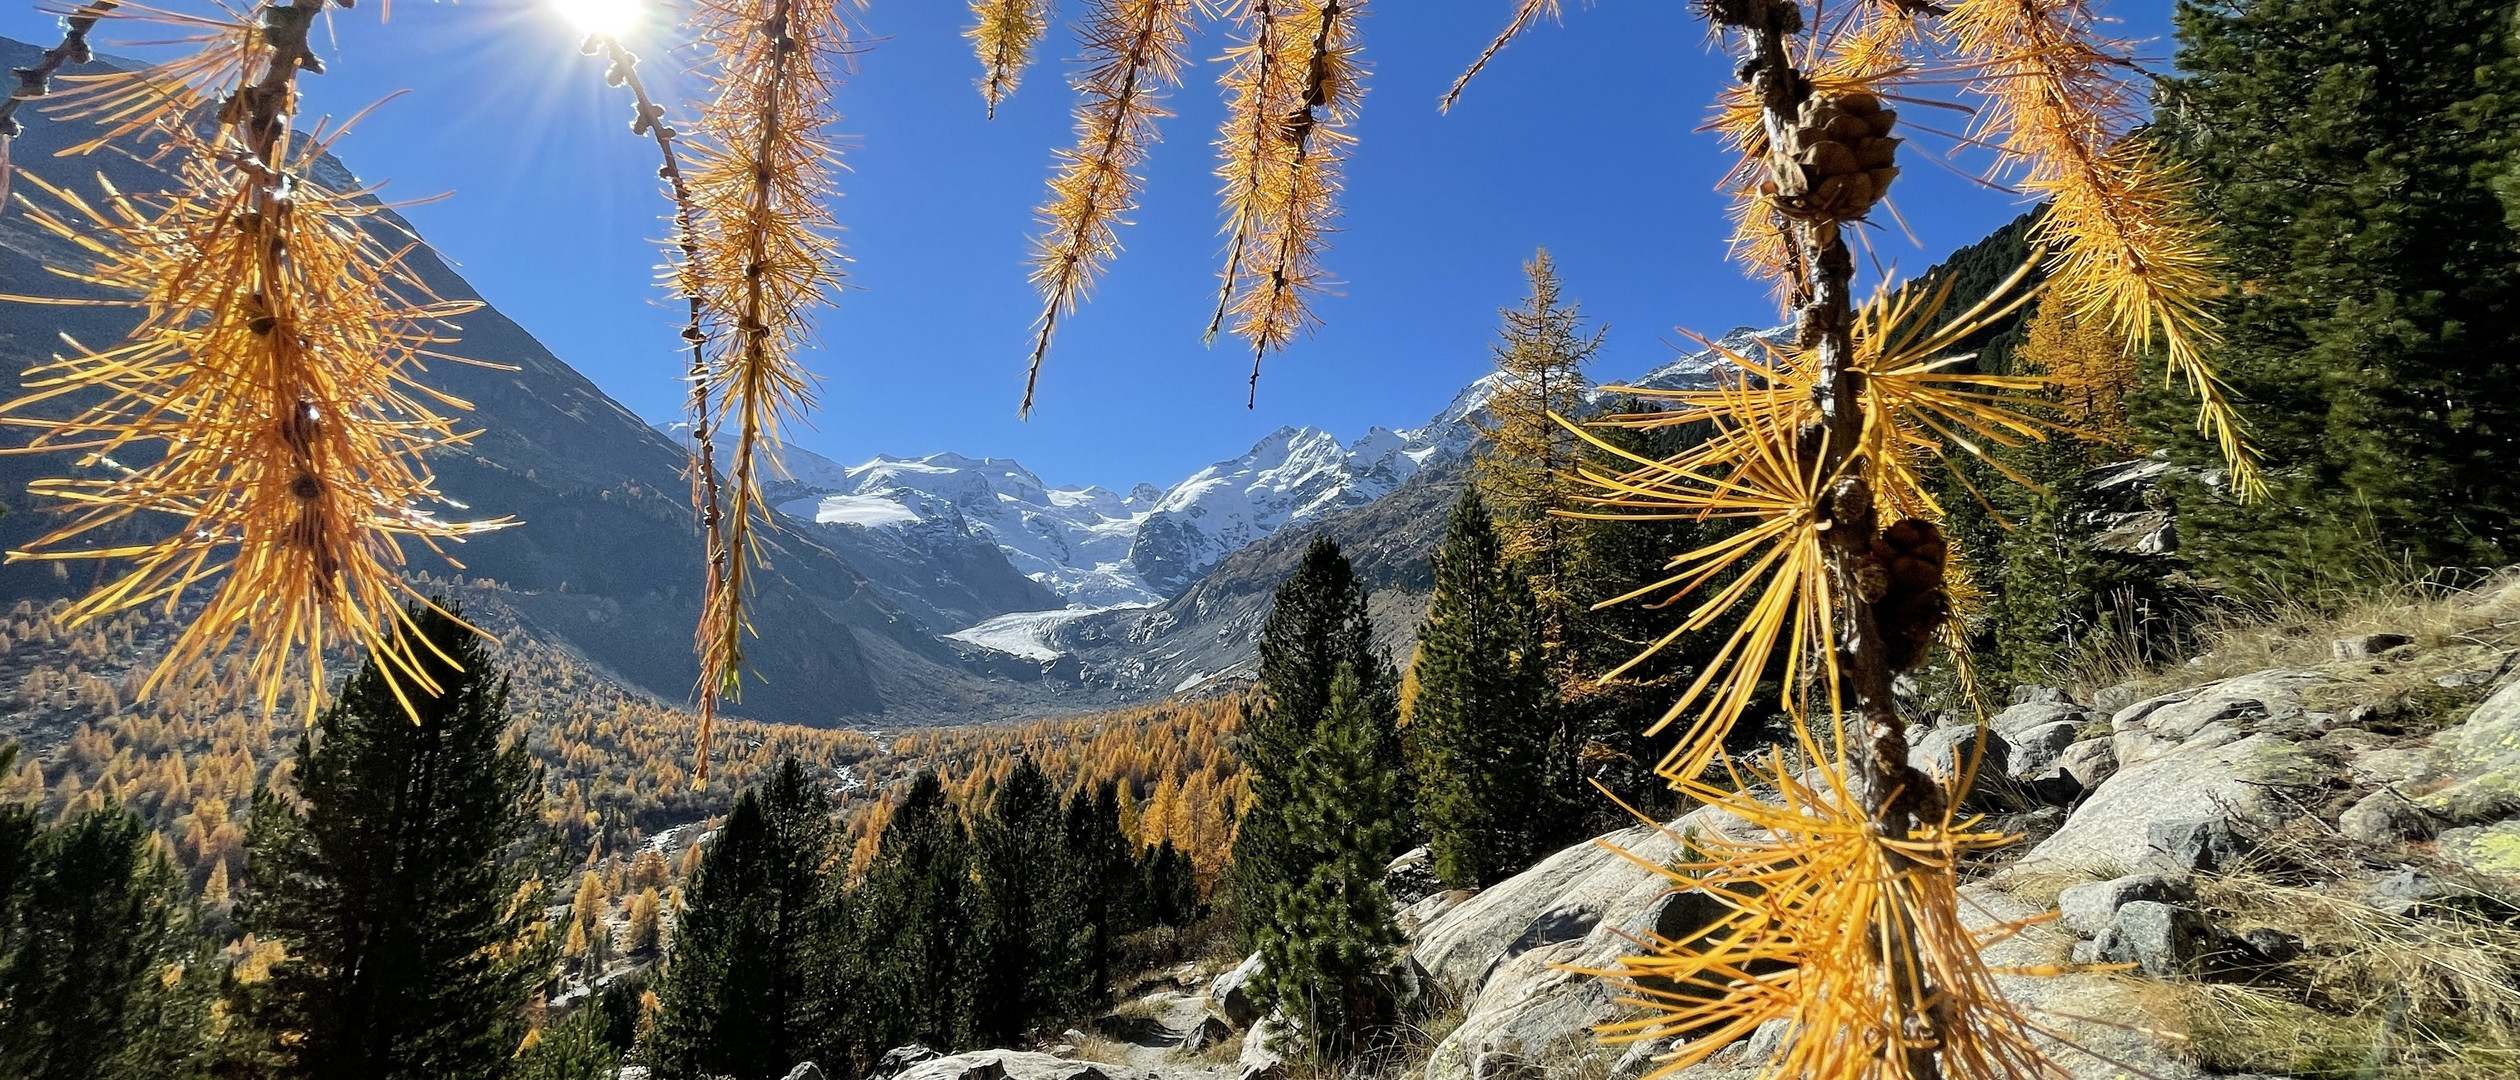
(401, 885)
(2351, 153)
(1171, 886)
(1528, 460)
(914, 935)
(1483, 719)
(1110, 891)
(1034, 934)
(102, 973)
(1330, 940)
(746, 991)
(1317, 623)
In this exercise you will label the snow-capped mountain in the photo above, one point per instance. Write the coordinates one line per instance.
(1097, 548)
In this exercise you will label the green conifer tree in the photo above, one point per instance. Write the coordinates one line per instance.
(1317, 623)
(402, 883)
(746, 990)
(2351, 153)
(102, 973)
(1033, 932)
(1327, 949)
(915, 944)
(1110, 892)
(1483, 721)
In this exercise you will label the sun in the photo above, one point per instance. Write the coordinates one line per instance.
(603, 18)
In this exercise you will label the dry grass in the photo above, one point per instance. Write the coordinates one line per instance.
(2449, 625)
(2373, 993)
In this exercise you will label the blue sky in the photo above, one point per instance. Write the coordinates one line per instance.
(1579, 137)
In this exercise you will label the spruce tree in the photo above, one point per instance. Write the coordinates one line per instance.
(1317, 623)
(102, 973)
(1033, 933)
(1170, 884)
(914, 941)
(399, 877)
(745, 991)
(1110, 890)
(1484, 719)
(1329, 942)
(2351, 153)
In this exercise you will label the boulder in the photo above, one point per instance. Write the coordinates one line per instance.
(2367, 646)
(2410, 766)
(2161, 940)
(2201, 843)
(805, 1070)
(1229, 996)
(2029, 694)
(2274, 694)
(1260, 1059)
(2385, 818)
(2110, 831)
(2491, 850)
(2089, 908)
(2027, 715)
(1209, 1031)
(2489, 740)
(1947, 752)
(1006, 1065)
(2090, 762)
(2033, 751)
(899, 1059)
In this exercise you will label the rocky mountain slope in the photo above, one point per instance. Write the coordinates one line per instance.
(2296, 854)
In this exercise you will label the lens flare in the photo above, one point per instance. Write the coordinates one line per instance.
(603, 18)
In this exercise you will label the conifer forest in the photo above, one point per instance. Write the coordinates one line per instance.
(2037, 598)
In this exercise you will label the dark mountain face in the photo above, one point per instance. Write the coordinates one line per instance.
(607, 559)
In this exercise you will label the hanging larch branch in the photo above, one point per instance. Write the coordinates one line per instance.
(270, 389)
(1258, 93)
(1298, 194)
(1526, 12)
(1133, 50)
(1005, 33)
(761, 180)
(36, 82)
(682, 270)
(2128, 252)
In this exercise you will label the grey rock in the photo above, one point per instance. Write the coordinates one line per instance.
(2025, 694)
(1260, 1059)
(1209, 1031)
(2136, 713)
(2366, 646)
(2200, 843)
(2109, 699)
(2490, 737)
(1948, 752)
(2405, 891)
(2385, 818)
(899, 1059)
(2109, 831)
(2035, 713)
(2489, 850)
(2033, 751)
(2161, 940)
(1414, 917)
(1005, 1065)
(1229, 996)
(2090, 762)
(2406, 765)
(2274, 694)
(805, 1070)
(2090, 908)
